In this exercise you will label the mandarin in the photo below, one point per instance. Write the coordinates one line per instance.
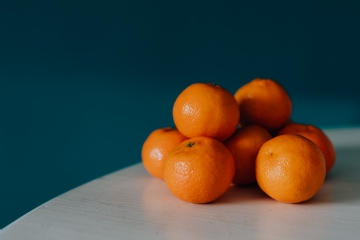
(204, 109)
(156, 148)
(264, 102)
(290, 168)
(244, 145)
(199, 170)
(316, 135)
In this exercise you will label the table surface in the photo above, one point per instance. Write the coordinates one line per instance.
(130, 204)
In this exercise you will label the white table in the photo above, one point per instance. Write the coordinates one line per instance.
(130, 204)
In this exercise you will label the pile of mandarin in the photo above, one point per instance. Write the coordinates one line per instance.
(223, 139)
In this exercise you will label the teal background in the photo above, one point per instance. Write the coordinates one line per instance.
(82, 83)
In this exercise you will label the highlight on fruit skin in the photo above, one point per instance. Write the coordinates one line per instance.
(290, 168)
(316, 135)
(206, 109)
(199, 170)
(156, 148)
(264, 102)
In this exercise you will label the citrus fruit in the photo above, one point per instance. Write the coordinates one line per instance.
(264, 102)
(204, 109)
(157, 146)
(244, 145)
(199, 170)
(290, 168)
(316, 135)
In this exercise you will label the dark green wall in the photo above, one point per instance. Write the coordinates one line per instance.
(82, 83)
